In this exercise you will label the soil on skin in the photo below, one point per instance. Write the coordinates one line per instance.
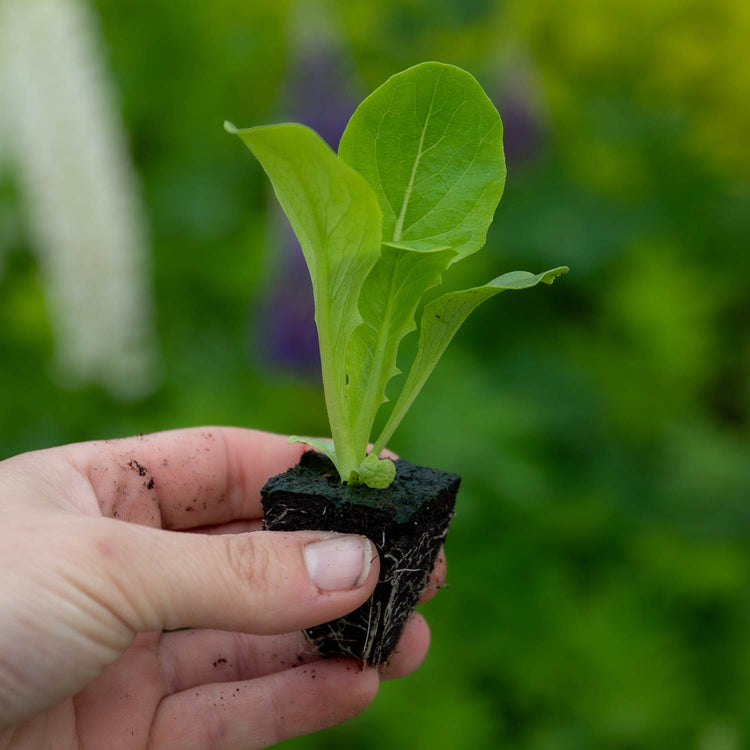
(408, 523)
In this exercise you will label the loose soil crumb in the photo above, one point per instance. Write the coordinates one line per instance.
(140, 468)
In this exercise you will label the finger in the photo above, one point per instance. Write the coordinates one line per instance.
(436, 580)
(233, 527)
(259, 713)
(184, 478)
(265, 582)
(190, 658)
(411, 650)
(385, 453)
(116, 703)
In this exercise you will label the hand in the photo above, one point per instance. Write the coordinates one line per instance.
(104, 545)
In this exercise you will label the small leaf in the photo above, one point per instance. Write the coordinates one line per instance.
(324, 445)
(430, 143)
(336, 217)
(388, 303)
(377, 473)
(440, 321)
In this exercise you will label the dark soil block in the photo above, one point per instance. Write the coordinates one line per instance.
(408, 523)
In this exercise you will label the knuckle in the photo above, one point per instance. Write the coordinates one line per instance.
(249, 559)
(268, 576)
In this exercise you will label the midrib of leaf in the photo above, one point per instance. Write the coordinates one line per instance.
(369, 406)
(331, 389)
(400, 221)
(333, 372)
(458, 179)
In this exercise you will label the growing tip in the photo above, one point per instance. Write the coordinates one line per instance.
(230, 127)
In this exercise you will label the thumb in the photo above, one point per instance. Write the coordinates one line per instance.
(260, 582)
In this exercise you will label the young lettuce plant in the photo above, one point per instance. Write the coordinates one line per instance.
(414, 187)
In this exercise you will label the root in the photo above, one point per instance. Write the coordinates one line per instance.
(407, 523)
(371, 632)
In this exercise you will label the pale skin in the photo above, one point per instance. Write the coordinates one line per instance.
(104, 545)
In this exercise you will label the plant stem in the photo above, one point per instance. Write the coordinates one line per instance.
(337, 412)
(364, 421)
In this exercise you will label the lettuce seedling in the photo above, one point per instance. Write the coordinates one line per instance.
(414, 187)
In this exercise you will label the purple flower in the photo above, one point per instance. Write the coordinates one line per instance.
(519, 102)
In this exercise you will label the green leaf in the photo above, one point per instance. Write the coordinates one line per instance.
(414, 188)
(377, 473)
(324, 445)
(388, 303)
(336, 217)
(440, 321)
(430, 143)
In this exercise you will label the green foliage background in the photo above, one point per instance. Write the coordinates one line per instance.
(600, 557)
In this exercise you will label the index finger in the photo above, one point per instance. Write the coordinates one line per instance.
(184, 478)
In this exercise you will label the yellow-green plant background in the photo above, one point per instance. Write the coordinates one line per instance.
(600, 556)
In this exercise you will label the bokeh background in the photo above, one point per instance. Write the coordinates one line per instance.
(600, 556)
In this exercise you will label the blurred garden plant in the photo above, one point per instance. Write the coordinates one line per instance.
(63, 137)
(413, 190)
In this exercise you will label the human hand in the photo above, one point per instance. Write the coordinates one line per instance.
(104, 545)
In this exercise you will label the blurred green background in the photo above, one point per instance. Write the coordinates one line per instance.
(599, 561)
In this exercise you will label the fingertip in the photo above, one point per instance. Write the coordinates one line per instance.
(411, 650)
(437, 578)
(363, 683)
(264, 711)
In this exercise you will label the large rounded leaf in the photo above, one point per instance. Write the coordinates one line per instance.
(430, 143)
